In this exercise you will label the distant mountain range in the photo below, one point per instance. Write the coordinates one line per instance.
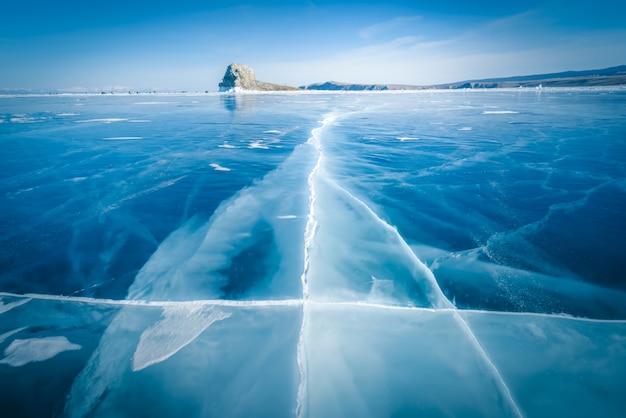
(604, 77)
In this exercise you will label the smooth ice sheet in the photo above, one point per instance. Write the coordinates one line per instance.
(314, 255)
(242, 364)
(44, 345)
(372, 362)
(557, 365)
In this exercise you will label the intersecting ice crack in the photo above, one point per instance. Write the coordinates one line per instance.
(430, 297)
(434, 293)
(204, 311)
(25, 298)
(356, 319)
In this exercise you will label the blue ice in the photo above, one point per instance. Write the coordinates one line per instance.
(385, 265)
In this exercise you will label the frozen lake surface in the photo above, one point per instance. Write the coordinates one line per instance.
(434, 253)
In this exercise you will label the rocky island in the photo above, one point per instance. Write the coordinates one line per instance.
(241, 77)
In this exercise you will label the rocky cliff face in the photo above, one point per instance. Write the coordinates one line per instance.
(241, 77)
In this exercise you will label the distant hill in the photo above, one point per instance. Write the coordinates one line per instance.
(335, 85)
(603, 77)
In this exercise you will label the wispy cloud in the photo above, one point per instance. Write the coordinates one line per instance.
(520, 44)
(402, 23)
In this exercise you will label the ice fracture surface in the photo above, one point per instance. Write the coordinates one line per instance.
(425, 254)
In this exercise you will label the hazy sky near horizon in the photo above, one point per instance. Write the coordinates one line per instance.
(186, 45)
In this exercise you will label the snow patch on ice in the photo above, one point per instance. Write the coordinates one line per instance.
(24, 119)
(6, 307)
(102, 120)
(21, 352)
(257, 145)
(499, 112)
(218, 167)
(154, 103)
(7, 334)
(179, 326)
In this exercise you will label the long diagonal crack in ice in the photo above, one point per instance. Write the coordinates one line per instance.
(440, 302)
(435, 295)
(502, 386)
(309, 233)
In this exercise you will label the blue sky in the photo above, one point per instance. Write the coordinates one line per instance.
(187, 44)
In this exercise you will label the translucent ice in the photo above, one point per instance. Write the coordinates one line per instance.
(306, 255)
